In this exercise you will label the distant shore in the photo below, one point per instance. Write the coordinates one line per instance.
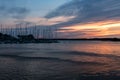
(5, 39)
(92, 39)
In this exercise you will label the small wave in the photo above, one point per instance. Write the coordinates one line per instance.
(50, 58)
(86, 54)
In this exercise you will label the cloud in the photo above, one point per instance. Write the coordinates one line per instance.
(87, 11)
(14, 12)
(77, 18)
(18, 12)
(48, 21)
(92, 18)
(9, 9)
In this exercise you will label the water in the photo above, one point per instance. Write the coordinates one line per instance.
(67, 60)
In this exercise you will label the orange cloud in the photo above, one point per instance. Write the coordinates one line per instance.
(95, 29)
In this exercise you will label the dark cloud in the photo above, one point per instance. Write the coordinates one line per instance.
(14, 12)
(18, 12)
(88, 11)
(8, 8)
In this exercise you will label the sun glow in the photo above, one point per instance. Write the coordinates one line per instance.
(95, 29)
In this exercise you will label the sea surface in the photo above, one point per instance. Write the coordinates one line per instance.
(67, 60)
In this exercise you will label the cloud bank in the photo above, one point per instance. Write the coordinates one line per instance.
(88, 11)
(95, 12)
(100, 15)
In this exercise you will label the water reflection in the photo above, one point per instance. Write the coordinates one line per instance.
(98, 47)
(60, 60)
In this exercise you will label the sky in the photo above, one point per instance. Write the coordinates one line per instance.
(68, 18)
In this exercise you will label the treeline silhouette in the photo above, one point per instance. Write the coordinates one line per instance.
(91, 39)
(5, 38)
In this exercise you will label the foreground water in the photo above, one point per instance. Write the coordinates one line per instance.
(68, 60)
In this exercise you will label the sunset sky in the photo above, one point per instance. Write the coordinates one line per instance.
(71, 18)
